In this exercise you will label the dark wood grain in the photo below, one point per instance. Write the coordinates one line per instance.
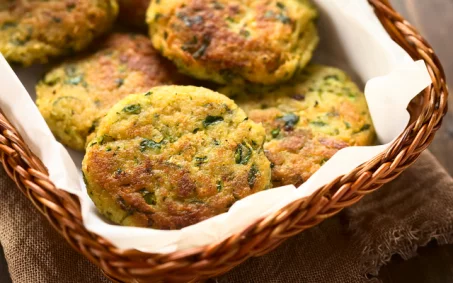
(434, 20)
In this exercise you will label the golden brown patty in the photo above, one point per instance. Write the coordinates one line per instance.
(230, 41)
(174, 156)
(307, 120)
(133, 12)
(73, 96)
(34, 30)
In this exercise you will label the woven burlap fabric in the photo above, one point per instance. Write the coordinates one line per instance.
(397, 219)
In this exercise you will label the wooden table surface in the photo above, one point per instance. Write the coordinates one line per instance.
(434, 20)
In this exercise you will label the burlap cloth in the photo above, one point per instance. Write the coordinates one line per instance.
(397, 219)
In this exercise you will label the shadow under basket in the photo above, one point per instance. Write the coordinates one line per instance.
(63, 209)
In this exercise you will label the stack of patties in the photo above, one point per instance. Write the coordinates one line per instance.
(167, 157)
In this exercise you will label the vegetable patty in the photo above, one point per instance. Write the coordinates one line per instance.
(33, 31)
(233, 41)
(74, 96)
(307, 120)
(174, 156)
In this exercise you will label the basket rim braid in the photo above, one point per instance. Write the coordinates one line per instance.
(63, 209)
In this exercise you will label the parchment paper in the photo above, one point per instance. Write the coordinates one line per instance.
(351, 38)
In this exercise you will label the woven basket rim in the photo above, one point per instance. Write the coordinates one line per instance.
(63, 209)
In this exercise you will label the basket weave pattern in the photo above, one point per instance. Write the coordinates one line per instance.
(63, 209)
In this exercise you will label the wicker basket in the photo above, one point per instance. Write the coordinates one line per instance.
(63, 209)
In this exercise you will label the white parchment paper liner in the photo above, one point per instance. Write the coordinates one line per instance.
(351, 38)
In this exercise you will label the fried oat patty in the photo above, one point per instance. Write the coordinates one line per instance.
(173, 157)
(307, 120)
(133, 12)
(34, 30)
(232, 41)
(73, 96)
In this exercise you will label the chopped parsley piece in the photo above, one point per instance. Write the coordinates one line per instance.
(146, 144)
(149, 197)
(348, 126)
(200, 160)
(318, 123)
(74, 80)
(364, 128)
(133, 109)
(204, 45)
(219, 186)
(283, 18)
(333, 77)
(8, 25)
(275, 132)
(242, 154)
(252, 175)
(210, 120)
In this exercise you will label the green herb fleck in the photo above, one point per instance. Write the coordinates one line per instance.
(210, 120)
(280, 5)
(119, 82)
(157, 17)
(219, 186)
(283, 18)
(8, 25)
(318, 123)
(200, 160)
(252, 175)
(190, 21)
(242, 154)
(268, 14)
(333, 77)
(146, 143)
(204, 45)
(244, 33)
(104, 138)
(323, 161)
(275, 132)
(364, 128)
(227, 74)
(149, 197)
(74, 80)
(148, 93)
(348, 126)
(133, 109)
